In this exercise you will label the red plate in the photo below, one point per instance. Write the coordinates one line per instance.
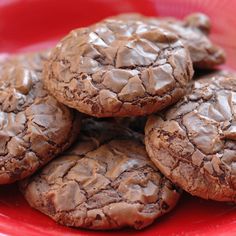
(27, 25)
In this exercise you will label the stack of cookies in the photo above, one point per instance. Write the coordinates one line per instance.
(86, 103)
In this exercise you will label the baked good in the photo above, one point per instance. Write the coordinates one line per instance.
(34, 127)
(194, 142)
(34, 60)
(118, 68)
(105, 181)
(193, 31)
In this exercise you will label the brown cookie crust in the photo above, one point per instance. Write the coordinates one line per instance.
(194, 142)
(34, 60)
(34, 127)
(193, 31)
(105, 181)
(118, 68)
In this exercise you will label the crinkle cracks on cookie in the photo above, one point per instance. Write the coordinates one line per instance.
(105, 181)
(119, 68)
(34, 127)
(194, 142)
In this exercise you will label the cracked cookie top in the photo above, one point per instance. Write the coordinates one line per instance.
(104, 181)
(194, 142)
(34, 127)
(193, 31)
(118, 68)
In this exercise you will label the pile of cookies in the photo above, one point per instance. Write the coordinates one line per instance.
(86, 103)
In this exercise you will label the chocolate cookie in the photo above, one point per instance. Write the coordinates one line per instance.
(118, 68)
(34, 60)
(34, 127)
(194, 142)
(193, 31)
(105, 181)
